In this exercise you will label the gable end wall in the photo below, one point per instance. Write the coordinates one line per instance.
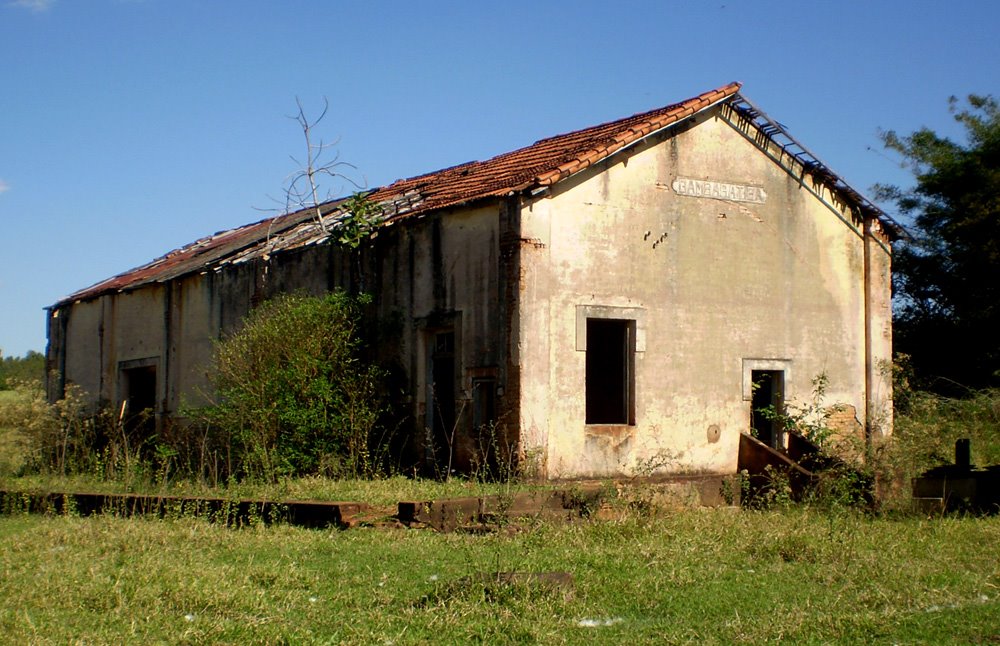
(719, 284)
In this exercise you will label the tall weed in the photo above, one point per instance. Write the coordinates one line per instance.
(67, 438)
(924, 436)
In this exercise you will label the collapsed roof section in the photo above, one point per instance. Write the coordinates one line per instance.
(534, 167)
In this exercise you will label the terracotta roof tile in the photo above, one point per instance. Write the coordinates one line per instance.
(541, 164)
(546, 161)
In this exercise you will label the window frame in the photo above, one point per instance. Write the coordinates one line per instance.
(615, 371)
(636, 321)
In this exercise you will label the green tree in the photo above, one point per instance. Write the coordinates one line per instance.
(30, 367)
(359, 223)
(947, 276)
(295, 395)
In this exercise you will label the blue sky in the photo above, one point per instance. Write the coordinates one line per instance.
(131, 127)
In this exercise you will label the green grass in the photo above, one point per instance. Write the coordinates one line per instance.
(705, 577)
(700, 577)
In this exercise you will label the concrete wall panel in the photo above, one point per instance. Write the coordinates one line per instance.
(720, 280)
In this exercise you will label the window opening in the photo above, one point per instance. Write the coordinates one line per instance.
(610, 371)
(766, 404)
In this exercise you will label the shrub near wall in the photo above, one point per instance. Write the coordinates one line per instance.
(926, 432)
(294, 395)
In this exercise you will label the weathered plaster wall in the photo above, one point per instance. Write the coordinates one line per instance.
(138, 320)
(880, 332)
(713, 282)
(194, 326)
(442, 274)
(104, 333)
(83, 329)
(437, 273)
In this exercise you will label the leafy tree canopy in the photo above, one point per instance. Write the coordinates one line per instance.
(947, 276)
(30, 367)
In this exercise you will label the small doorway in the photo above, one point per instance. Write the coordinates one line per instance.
(767, 404)
(441, 394)
(139, 398)
(490, 445)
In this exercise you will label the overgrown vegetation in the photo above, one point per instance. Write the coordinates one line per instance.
(295, 394)
(64, 439)
(924, 435)
(850, 467)
(844, 469)
(30, 367)
(83, 451)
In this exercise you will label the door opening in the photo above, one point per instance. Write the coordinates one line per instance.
(139, 397)
(441, 395)
(767, 404)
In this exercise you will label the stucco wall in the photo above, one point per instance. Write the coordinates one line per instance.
(880, 332)
(103, 334)
(194, 324)
(83, 325)
(437, 273)
(713, 283)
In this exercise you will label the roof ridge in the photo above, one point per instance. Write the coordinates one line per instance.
(541, 164)
(647, 122)
(639, 115)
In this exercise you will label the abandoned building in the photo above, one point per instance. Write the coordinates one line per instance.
(624, 296)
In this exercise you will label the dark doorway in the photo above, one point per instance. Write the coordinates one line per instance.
(766, 405)
(490, 443)
(441, 400)
(484, 403)
(139, 395)
(609, 371)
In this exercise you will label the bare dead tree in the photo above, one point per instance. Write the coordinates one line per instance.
(309, 187)
(303, 188)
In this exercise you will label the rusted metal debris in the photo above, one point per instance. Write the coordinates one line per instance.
(479, 515)
(958, 487)
(235, 512)
(803, 464)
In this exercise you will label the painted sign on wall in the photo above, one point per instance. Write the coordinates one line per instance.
(719, 190)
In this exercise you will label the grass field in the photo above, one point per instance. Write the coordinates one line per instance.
(702, 576)
(724, 576)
